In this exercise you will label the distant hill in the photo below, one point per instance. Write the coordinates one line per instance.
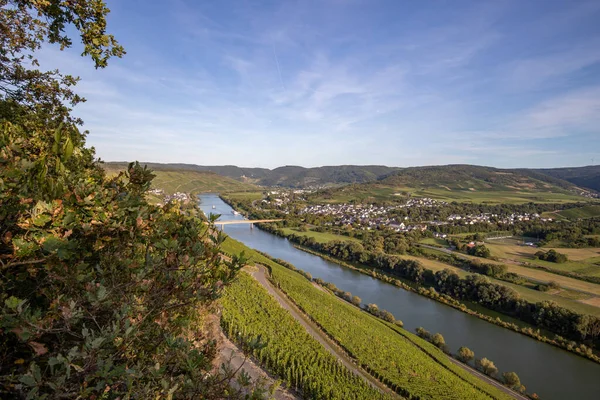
(473, 177)
(288, 176)
(572, 181)
(586, 177)
(188, 180)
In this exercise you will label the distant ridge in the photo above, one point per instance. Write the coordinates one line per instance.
(579, 180)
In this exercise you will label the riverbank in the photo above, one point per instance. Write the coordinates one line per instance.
(561, 343)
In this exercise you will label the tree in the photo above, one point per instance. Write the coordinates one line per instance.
(438, 340)
(465, 354)
(103, 294)
(511, 379)
(26, 25)
(486, 366)
(356, 300)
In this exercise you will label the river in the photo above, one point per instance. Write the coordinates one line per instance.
(552, 373)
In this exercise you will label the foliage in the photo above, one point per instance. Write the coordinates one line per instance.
(465, 354)
(512, 380)
(486, 366)
(479, 251)
(102, 294)
(99, 288)
(249, 312)
(551, 256)
(26, 25)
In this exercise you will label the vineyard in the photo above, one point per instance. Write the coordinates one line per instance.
(291, 353)
(400, 359)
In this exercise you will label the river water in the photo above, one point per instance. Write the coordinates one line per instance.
(552, 373)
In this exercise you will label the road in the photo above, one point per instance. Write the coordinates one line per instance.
(260, 274)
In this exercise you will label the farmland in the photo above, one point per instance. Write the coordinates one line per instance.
(398, 357)
(249, 313)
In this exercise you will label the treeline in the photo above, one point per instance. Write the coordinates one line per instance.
(474, 288)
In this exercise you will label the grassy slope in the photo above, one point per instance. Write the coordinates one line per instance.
(399, 357)
(172, 181)
(321, 237)
(581, 212)
(250, 310)
(389, 192)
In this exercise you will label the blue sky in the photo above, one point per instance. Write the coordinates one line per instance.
(327, 82)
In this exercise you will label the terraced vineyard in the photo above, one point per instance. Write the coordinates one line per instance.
(400, 359)
(291, 353)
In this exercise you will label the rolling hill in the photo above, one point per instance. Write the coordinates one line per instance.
(171, 180)
(581, 181)
(586, 177)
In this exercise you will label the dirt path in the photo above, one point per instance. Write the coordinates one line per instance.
(260, 275)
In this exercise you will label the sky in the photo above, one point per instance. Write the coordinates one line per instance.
(329, 82)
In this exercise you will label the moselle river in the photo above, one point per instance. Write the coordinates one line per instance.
(550, 372)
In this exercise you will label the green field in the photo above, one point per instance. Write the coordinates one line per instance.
(584, 261)
(321, 237)
(291, 353)
(581, 212)
(438, 242)
(191, 181)
(398, 357)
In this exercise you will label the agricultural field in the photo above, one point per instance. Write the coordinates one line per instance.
(564, 298)
(435, 242)
(398, 357)
(249, 312)
(321, 237)
(393, 354)
(584, 261)
(581, 212)
(381, 192)
(186, 181)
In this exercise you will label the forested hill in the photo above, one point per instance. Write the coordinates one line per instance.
(450, 177)
(587, 177)
(474, 178)
(289, 176)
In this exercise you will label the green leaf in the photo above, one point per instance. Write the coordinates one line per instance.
(28, 380)
(96, 343)
(41, 220)
(68, 148)
(12, 302)
(23, 248)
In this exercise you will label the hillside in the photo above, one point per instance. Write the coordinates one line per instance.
(475, 178)
(587, 177)
(187, 180)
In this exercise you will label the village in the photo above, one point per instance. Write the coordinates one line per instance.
(369, 216)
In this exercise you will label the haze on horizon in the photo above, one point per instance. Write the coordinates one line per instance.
(311, 83)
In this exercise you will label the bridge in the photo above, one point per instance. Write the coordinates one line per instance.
(246, 221)
(250, 222)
